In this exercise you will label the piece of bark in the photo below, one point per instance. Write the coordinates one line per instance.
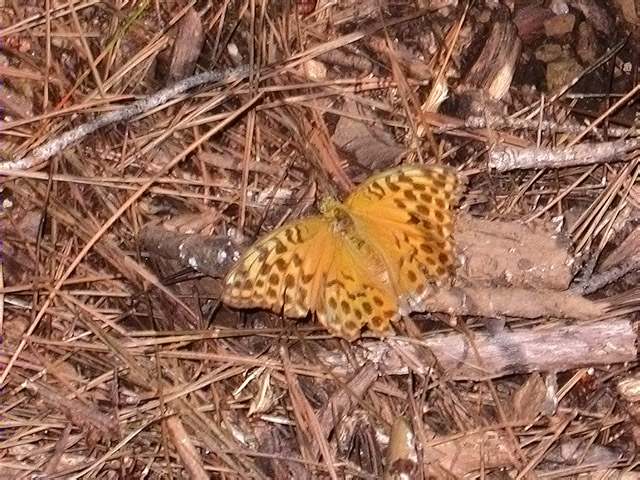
(629, 388)
(413, 65)
(556, 347)
(343, 400)
(493, 71)
(529, 20)
(14, 103)
(512, 254)
(597, 15)
(305, 7)
(466, 453)
(230, 160)
(402, 458)
(350, 61)
(210, 255)
(497, 302)
(628, 248)
(629, 11)
(559, 25)
(372, 147)
(528, 401)
(187, 47)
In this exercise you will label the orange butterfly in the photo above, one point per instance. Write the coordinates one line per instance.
(368, 260)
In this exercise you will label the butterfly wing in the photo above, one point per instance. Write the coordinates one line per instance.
(282, 272)
(407, 215)
(354, 295)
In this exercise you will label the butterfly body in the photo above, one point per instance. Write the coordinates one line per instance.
(368, 260)
(345, 227)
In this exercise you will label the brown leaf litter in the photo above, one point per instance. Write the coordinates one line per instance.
(145, 144)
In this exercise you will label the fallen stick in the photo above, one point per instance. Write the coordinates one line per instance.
(70, 137)
(555, 347)
(491, 253)
(504, 159)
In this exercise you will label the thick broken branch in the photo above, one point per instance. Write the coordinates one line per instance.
(507, 269)
(556, 347)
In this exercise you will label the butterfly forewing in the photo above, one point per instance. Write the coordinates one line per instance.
(276, 273)
(417, 195)
(407, 215)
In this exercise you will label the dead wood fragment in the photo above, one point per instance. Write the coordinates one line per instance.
(629, 388)
(351, 61)
(401, 454)
(59, 143)
(602, 279)
(597, 15)
(14, 103)
(493, 253)
(305, 7)
(467, 453)
(529, 20)
(495, 302)
(493, 71)
(507, 269)
(88, 418)
(508, 123)
(556, 347)
(185, 448)
(528, 401)
(187, 47)
(572, 451)
(628, 248)
(308, 422)
(512, 254)
(212, 256)
(559, 25)
(324, 152)
(60, 447)
(228, 161)
(414, 66)
(505, 158)
(371, 146)
(344, 399)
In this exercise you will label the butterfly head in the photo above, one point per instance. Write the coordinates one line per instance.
(337, 214)
(328, 205)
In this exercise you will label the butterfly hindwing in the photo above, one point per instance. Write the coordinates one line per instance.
(353, 297)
